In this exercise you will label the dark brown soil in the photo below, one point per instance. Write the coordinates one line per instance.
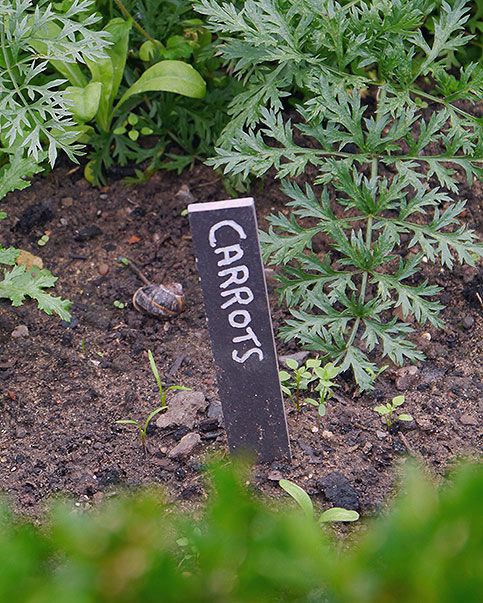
(63, 386)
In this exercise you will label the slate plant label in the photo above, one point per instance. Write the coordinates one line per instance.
(233, 281)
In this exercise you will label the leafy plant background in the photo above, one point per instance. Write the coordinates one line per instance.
(35, 120)
(181, 130)
(377, 116)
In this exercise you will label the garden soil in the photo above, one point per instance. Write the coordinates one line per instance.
(62, 386)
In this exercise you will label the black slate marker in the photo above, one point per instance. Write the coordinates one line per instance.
(233, 281)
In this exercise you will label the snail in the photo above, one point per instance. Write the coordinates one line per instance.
(161, 301)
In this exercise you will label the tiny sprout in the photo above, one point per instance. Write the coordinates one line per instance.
(142, 427)
(163, 392)
(388, 412)
(44, 239)
(119, 304)
(305, 503)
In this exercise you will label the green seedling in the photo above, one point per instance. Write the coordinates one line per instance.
(295, 383)
(388, 412)
(142, 427)
(44, 239)
(119, 304)
(336, 514)
(163, 392)
(311, 383)
(323, 384)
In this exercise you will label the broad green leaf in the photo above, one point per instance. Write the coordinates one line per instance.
(398, 401)
(109, 71)
(291, 363)
(84, 102)
(382, 410)
(299, 495)
(284, 376)
(313, 363)
(338, 514)
(168, 76)
(405, 417)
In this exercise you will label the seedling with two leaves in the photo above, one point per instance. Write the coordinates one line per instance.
(388, 412)
(311, 379)
(336, 514)
(141, 426)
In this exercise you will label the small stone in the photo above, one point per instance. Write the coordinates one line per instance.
(328, 435)
(215, 412)
(275, 476)
(183, 409)
(184, 195)
(103, 269)
(406, 377)
(382, 435)
(426, 336)
(367, 448)
(87, 233)
(185, 446)
(299, 357)
(314, 429)
(21, 433)
(339, 491)
(467, 419)
(67, 202)
(468, 322)
(20, 331)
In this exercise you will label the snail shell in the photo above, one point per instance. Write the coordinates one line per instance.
(161, 301)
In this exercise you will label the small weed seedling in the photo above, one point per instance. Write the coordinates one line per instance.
(163, 392)
(310, 378)
(323, 384)
(295, 383)
(142, 427)
(305, 503)
(388, 412)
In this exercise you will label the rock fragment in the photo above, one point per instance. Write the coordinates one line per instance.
(185, 446)
(338, 490)
(183, 409)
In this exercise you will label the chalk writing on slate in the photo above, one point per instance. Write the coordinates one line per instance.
(226, 243)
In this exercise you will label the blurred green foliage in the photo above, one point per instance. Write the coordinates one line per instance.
(426, 549)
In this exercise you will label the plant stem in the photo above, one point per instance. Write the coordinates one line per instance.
(368, 242)
(140, 29)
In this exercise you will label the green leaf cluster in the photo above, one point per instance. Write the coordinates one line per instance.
(359, 96)
(388, 411)
(34, 116)
(169, 50)
(307, 380)
(236, 548)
